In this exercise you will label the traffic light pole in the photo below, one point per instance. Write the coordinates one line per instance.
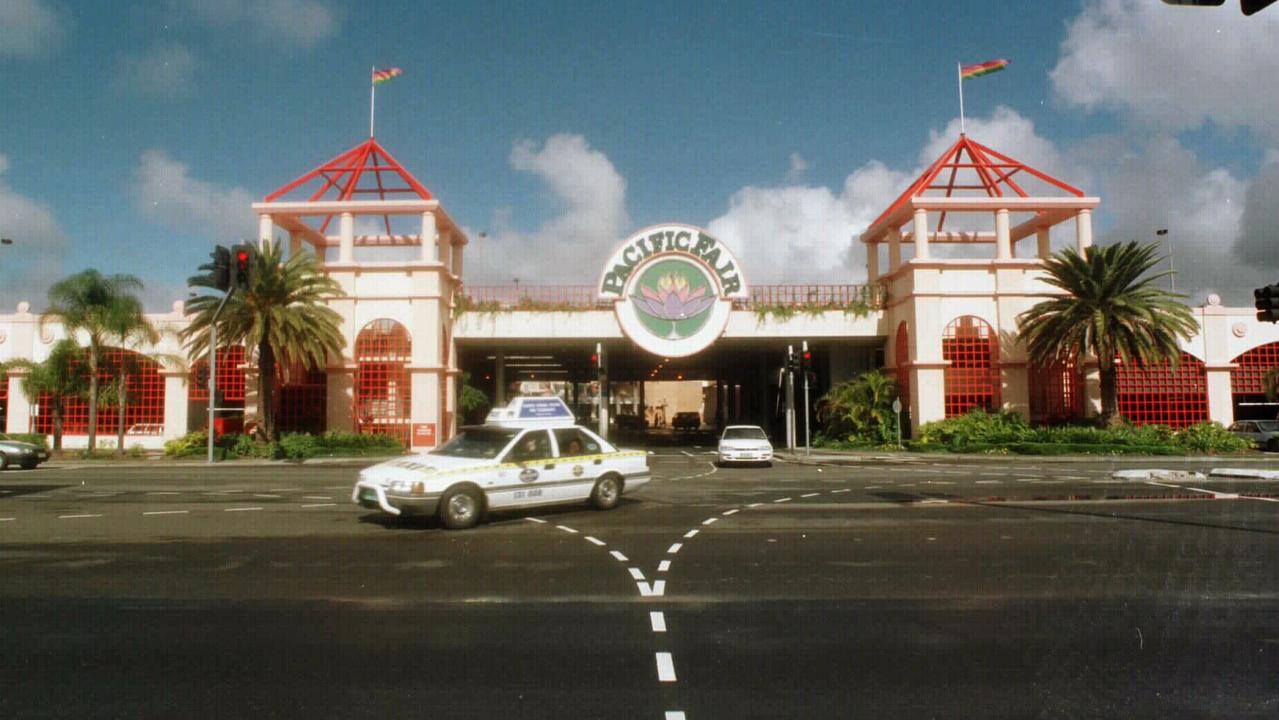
(790, 397)
(807, 450)
(213, 366)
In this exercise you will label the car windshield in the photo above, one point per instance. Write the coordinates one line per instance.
(744, 433)
(477, 443)
(1268, 425)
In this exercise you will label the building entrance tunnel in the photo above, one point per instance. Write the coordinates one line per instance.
(655, 400)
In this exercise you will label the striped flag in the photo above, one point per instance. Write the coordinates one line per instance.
(986, 68)
(381, 76)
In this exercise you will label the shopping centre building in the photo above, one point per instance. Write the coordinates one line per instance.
(950, 265)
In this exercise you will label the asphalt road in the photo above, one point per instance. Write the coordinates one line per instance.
(921, 589)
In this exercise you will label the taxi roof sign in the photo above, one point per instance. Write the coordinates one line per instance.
(524, 411)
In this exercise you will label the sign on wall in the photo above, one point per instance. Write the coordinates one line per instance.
(672, 288)
(423, 435)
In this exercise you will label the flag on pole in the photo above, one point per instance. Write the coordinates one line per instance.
(986, 68)
(381, 76)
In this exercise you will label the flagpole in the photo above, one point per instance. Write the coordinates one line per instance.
(373, 95)
(959, 73)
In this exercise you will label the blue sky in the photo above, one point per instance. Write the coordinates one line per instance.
(134, 137)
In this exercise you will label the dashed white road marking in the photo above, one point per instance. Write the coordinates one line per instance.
(315, 505)
(73, 517)
(674, 548)
(782, 500)
(664, 565)
(536, 520)
(566, 529)
(710, 521)
(734, 511)
(317, 497)
(665, 667)
(636, 573)
(1246, 497)
(618, 556)
(265, 495)
(594, 540)
(165, 492)
(658, 619)
(808, 495)
(675, 715)
(241, 509)
(1153, 482)
(754, 505)
(657, 589)
(7, 519)
(841, 490)
(1217, 495)
(166, 512)
(691, 533)
(685, 452)
(990, 482)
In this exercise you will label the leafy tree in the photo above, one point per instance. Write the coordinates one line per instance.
(60, 377)
(99, 306)
(472, 403)
(1111, 308)
(281, 317)
(861, 408)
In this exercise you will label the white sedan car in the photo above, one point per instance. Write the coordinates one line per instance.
(525, 456)
(745, 444)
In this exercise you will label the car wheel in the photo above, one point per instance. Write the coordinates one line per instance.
(460, 508)
(30, 464)
(4, 461)
(607, 493)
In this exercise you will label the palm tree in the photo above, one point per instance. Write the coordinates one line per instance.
(861, 408)
(59, 378)
(96, 304)
(135, 333)
(1110, 308)
(282, 315)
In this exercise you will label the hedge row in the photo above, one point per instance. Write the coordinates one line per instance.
(291, 446)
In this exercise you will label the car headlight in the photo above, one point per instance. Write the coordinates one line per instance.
(400, 486)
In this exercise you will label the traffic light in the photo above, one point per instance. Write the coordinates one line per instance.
(1247, 6)
(242, 271)
(218, 272)
(1266, 300)
(792, 360)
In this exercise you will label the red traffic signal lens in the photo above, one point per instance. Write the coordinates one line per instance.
(242, 257)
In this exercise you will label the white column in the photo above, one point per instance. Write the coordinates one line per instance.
(175, 404)
(894, 249)
(1041, 235)
(455, 251)
(265, 226)
(1083, 230)
(872, 262)
(19, 411)
(921, 233)
(1003, 244)
(346, 238)
(430, 241)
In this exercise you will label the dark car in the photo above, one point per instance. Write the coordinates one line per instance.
(686, 421)
(1263, 432)
(16, 452)
(627, 421)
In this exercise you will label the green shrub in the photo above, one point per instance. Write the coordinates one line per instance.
(1211, 437)
(298, 446)
(136, 451)
(193, 443)
(978, 426)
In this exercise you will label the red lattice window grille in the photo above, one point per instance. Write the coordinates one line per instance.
(1054, 393)
(1247, 382)
(972, 378)
(902, 361)
(4, 401)
(144, 395)
(230, 377)
(302, 400)
(383, 350)
(1162, 395)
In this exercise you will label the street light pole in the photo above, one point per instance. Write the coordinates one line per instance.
(1172, 270)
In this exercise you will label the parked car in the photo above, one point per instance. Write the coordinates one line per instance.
(1263, 432)
(745, 444)
(686, 421)
(627, 421)
(16, 452)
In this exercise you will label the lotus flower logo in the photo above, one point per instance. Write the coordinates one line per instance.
(665, 293)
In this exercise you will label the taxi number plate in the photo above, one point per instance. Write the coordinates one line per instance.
(521, 494)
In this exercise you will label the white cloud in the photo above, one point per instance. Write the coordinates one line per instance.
(591, 202)
(1258, 242)
(164, 190)
(34, 261)
(798, 166)
(302, 23)
(166, 71)
(1172, 67)
(31, 28)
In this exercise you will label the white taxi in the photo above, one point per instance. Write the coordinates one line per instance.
(525, 455)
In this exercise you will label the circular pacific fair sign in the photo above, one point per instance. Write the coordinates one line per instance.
(672, 287)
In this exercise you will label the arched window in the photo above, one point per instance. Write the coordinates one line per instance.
(1247, 382)
(302, 399)
(972, 377)
(144, 398)
(1054, 393)
(383, 350)
(1162, 395)
(902, 353)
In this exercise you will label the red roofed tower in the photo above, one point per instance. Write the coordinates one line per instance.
(954, 319)
(399, 259)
